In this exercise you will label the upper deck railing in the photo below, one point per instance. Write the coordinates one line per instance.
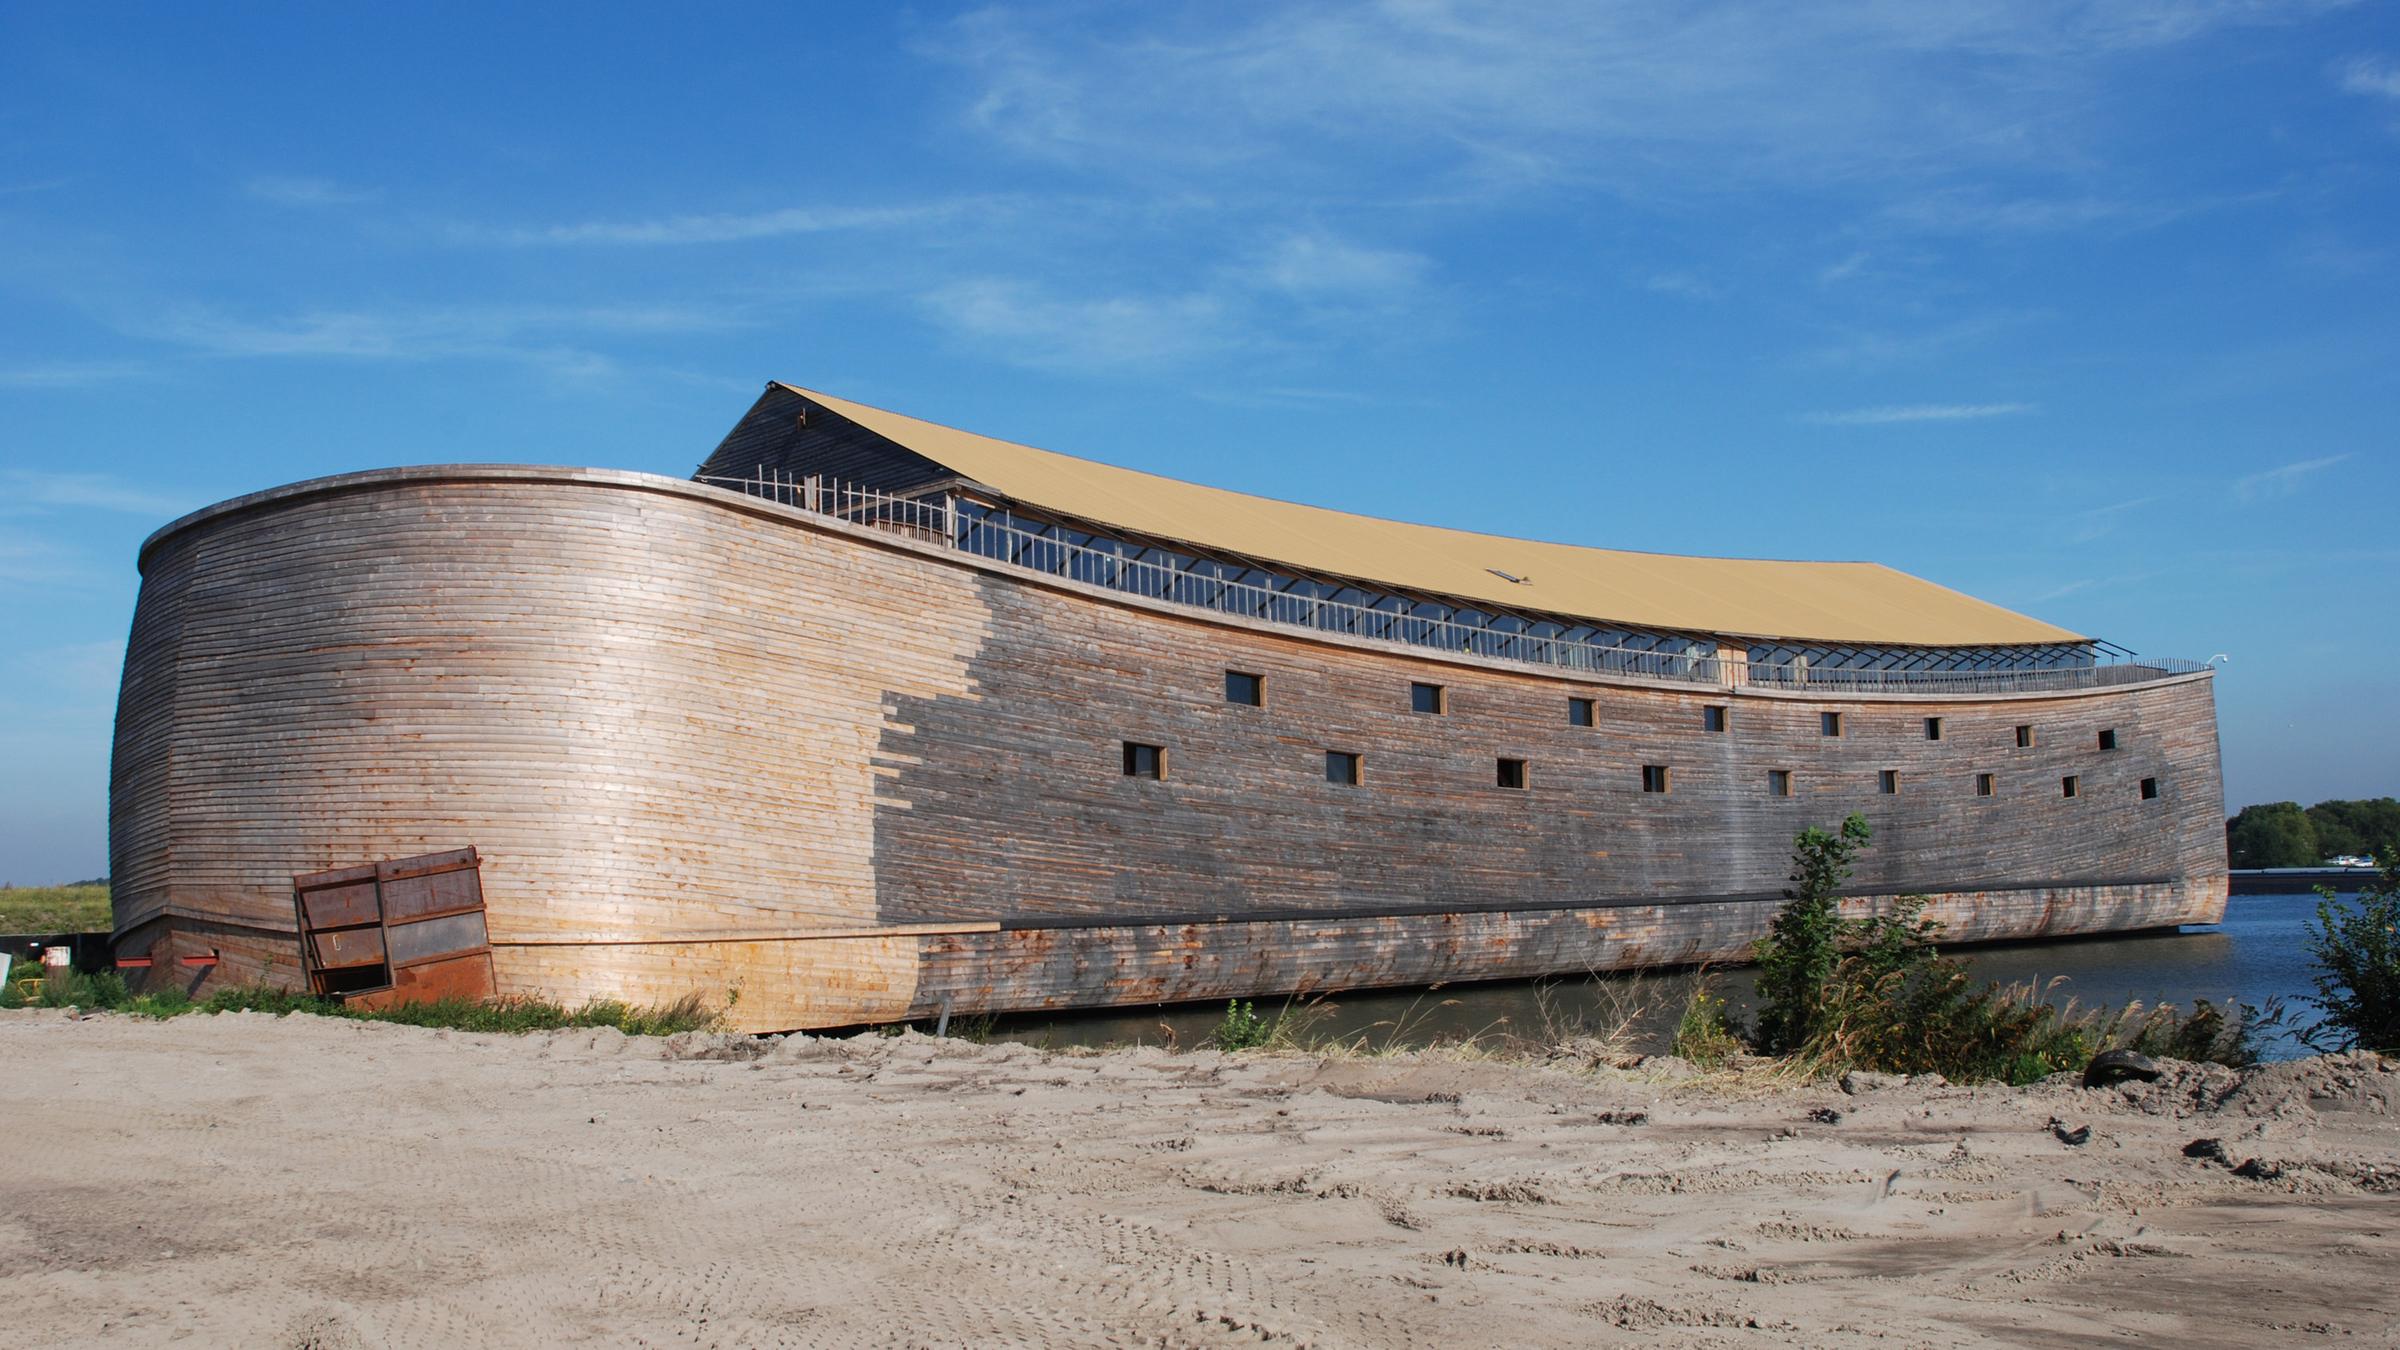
(936, 518)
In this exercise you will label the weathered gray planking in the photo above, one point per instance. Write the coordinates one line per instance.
(699, 725)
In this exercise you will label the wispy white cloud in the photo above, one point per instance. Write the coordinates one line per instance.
(1918, 412)
(297, 191)
(1683, 286)
(1882, 348)
(29, 559)
(1653, 99)
(723, 228)
(1320, 264)
(84, 672)
(1834, 273)
(1274, 396)
(66, 374)
(1966, 212)
(2369, 75)
(1293, 289)
(2082, 584)
(2327, 252)
(93, 491)
(1027, 324)
(2284, 480)
(554, 338)
(1975, 212)
(2101, 521)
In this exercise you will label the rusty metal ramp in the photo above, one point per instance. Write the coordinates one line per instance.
(409, 930)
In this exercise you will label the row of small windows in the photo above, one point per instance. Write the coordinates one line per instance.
(1346, 768)
(1250, 689)
(1887, 782)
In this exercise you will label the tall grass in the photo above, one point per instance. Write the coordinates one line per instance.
(1706, 1033)
(80, 908)
(106, 990)
(1608, 1031)
(1931, 1017)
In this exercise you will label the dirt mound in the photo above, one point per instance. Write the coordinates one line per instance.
(2302, 1089)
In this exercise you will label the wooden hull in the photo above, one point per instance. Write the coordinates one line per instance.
(707, 744)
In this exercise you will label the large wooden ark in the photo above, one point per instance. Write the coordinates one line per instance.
(874, 718)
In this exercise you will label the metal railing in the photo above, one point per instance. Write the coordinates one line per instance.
(2098, 675)
(937, 518)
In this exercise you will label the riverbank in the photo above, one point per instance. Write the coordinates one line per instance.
(311, 1181)
(2258, 955)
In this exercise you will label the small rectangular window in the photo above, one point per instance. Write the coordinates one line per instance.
(1712, 718)
(1933, 728)
(2068, 786)
(1779, 782)
(1341, 767)
(1243, 687)
(1654, 778)
(1829, 724)
(1983, 785)
(1888, 782)
(1512, 774)
(2024, 738)
(1145, 761)
(2108, 739)
(1428, 698)
(1579, 712)
(2149, 789)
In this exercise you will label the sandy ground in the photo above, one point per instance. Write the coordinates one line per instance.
(243, 1180)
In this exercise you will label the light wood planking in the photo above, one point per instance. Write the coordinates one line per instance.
(662, 712)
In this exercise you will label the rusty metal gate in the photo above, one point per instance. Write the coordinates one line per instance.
(410, 930)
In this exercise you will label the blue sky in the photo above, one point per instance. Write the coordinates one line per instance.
(2086, 309)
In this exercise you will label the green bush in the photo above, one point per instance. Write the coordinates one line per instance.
(1706, 1034)
(2356, 948)
(82, 989)
(1242, 1029)
(1797, 956)
(1874, 994)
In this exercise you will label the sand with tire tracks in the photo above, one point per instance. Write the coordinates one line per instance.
(248, 1180)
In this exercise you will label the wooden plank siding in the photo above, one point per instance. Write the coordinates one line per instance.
(704, 743)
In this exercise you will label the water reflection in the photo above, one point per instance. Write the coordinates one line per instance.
(2259, 953)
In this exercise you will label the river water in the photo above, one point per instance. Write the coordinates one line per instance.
(2259, 954)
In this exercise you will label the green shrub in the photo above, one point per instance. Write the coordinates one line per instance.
(1797, 956)
(82, 989)
(260, 998)
(168, 1002)
(2356, 948)
(1874, 994)
(1706, 1034)
(1242, 1029)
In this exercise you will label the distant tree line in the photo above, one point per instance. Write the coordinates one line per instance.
(2284, 834)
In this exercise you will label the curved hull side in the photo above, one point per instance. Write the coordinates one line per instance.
(830, 776)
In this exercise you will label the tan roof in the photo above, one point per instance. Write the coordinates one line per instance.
(1823, 601)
